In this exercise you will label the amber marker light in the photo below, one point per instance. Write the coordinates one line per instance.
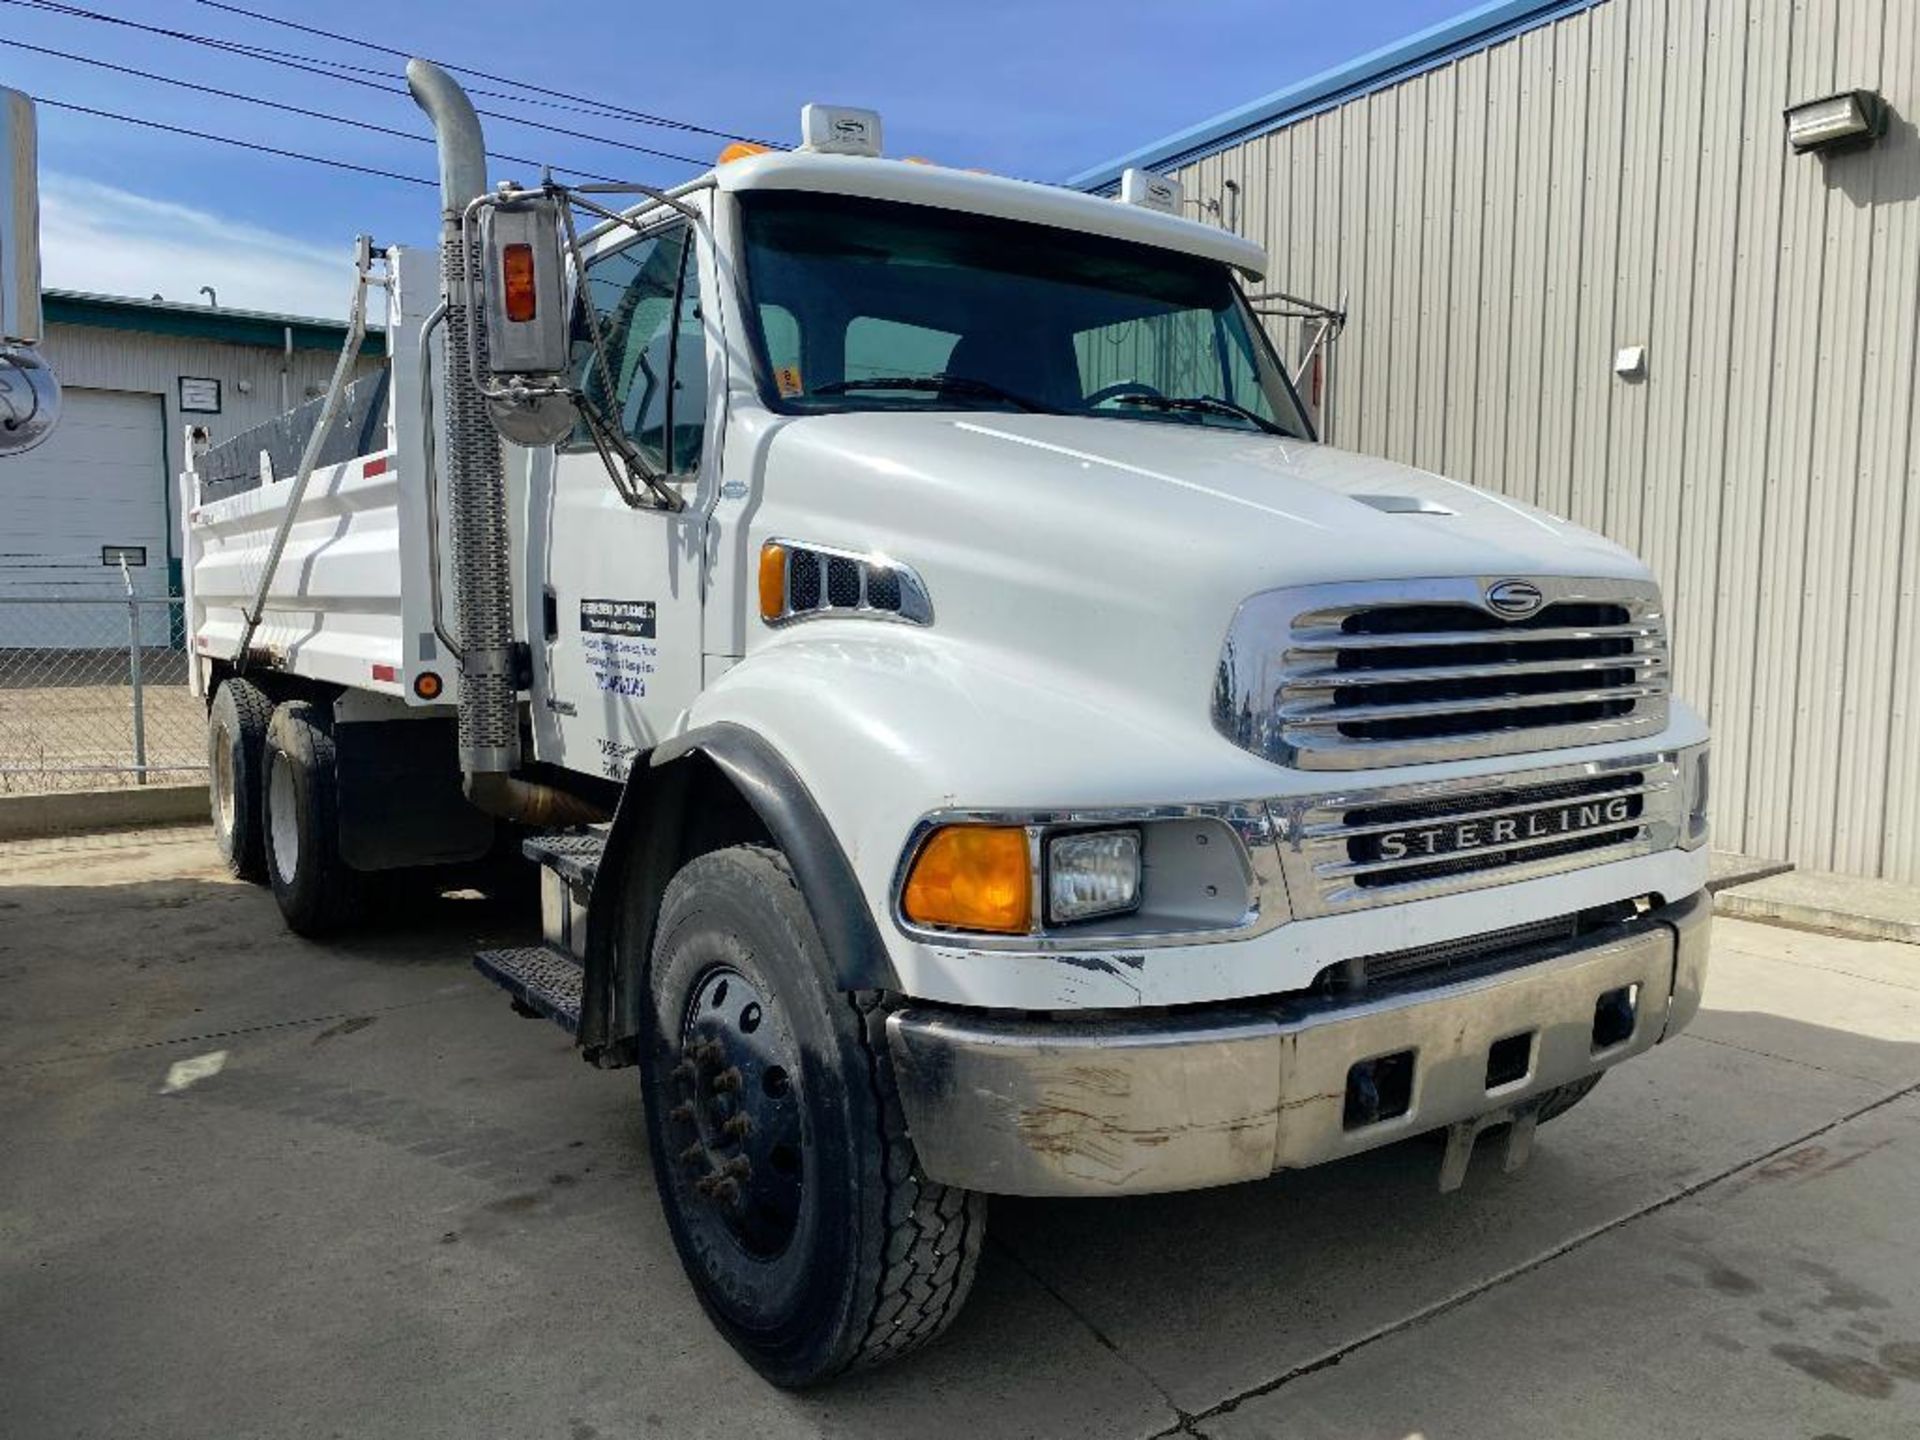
(516, 270)
(427, 685)
(741, 150)
(972, 877)
(773, 581)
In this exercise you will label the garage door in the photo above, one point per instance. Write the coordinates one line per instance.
(98, 481)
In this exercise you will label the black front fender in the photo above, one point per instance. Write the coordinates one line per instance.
(653, 835)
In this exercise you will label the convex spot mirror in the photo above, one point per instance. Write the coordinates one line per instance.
(528, 341)
(29, 390)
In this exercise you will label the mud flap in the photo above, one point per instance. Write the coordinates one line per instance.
(1521, 1121)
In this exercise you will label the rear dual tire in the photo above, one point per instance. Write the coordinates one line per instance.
(318, 893)
(236, 761)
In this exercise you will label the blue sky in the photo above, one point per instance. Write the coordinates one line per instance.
(1039, 89)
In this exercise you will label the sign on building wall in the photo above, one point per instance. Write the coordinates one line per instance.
(200, 397)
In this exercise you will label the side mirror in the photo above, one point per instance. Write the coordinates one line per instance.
(529, 339)
(29, 391)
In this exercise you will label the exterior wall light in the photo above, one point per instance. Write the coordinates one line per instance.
(1848, 120)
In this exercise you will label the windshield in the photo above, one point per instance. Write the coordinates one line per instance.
(872, 305)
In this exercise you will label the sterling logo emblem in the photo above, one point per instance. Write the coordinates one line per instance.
(1509, 831)
(1515, 599)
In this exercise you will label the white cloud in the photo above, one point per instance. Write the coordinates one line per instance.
(110, 241)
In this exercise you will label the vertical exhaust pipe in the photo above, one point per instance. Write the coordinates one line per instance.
(489, 710)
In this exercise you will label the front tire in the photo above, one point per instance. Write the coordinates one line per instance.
(236, 758)
(790, 1187)
(317, 890)
(1562, 1098)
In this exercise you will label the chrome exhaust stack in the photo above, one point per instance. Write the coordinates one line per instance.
(489, 708)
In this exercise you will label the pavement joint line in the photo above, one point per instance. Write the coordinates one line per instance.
(1783, 1059)
(1183, 1419)
(1434, 1311)
(241, 1030)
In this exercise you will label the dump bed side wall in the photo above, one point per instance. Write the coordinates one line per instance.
(351, 600)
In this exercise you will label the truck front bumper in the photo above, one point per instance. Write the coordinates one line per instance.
(1181, 1101)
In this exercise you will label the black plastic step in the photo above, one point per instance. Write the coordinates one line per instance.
(542, 979)
(574, 855)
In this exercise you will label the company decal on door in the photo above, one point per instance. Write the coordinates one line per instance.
(617, 641)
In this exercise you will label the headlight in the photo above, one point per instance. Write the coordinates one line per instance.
(1695, 772)
(1091, 874)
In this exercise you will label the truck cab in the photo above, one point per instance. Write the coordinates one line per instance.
(1002, 750)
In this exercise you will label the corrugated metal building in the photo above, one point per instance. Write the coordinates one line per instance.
(133, 374)
(1507, 201)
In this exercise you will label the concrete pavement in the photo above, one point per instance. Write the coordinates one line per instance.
(252, 1186)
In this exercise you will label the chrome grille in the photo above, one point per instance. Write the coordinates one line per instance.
(1342, 677)
(1410, 842)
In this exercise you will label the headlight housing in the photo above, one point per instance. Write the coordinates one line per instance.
(1144, 875)
(1695, 777)
(1092, 873)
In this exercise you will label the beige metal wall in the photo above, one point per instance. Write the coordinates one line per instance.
(1503, 223)
(99, 358)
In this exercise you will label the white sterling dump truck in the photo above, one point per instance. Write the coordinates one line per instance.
(974, 738)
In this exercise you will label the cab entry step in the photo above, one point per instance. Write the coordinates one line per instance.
(543, 980)
(574, 857)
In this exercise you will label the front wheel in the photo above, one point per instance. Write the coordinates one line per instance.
(791, 1189)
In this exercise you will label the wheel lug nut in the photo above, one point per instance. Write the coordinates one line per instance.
(712, 1052)
(681, 1114)
(728, 1080)
(693, 1154)
(738, 1128)
(725, 1190)
(738, 1168)
(685, 1071)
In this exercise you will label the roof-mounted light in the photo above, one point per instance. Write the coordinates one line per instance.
(1836, 122)
(1150, 191)
(839, 130)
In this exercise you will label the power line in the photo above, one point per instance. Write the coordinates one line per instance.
(642, 116)
(231, 140)
(282, 106)
(311, 65)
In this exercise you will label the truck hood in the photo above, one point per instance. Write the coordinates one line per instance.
(1124, 547)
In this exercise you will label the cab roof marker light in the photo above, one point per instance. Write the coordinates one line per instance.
(1151, 192)
(839, 130)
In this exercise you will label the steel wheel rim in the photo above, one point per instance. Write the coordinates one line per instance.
(223, 798)
(736, 1117)
(283, 821)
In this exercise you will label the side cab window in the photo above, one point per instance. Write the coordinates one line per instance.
(653, 386)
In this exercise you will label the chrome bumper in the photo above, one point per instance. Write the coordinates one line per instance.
(1118, 1107)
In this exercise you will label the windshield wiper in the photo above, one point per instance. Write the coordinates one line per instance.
(938, 384)
(1204, 404)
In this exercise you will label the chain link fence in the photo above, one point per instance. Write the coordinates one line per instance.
(93, 693)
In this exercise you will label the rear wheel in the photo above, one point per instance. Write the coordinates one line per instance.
(791, 1190)
(236, 755)
(315, 888)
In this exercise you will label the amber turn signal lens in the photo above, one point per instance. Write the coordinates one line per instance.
(427, 685)
(516, 271)
(972, 877)
(773, 581)
(741, 150)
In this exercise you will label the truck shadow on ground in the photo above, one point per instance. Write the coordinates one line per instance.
(1090, 1317)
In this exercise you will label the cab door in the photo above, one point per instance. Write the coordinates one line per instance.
(619, 586)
